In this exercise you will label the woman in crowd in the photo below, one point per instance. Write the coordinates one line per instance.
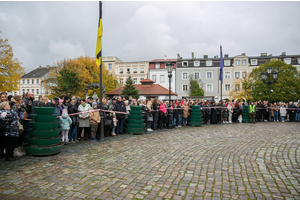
(185, 113)
(84, 121)
(230, 108)
(75, 121)
(149, 114)
(3, 97)
(155, 113)
(162, 115)
(282, 112)
(9, 127)
(66, 102)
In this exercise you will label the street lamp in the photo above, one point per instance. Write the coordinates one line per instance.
(264, 75)
(170, 70)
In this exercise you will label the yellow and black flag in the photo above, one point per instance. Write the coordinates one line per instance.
(99, 37)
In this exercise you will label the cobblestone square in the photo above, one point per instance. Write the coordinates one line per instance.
(233, 161)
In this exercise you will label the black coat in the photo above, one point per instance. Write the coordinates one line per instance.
(120, 107)
(9, 123)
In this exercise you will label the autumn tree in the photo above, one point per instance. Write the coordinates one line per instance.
(286, 88)
(10, 68)
(130, 89)
(195, 86)
(71, 76)
(241, 89)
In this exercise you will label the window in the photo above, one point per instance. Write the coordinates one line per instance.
(208, 75)
(15, 93)
(32, 90)
(197, 75)
(121, 81)
(162, 78)
(227, 87)
(37, 81)
(157, 66)
(141, 79)
(23, 91)
(134, 70)
(109, 66)
(128, 70)
(184, 75)
(208, 63)
(185, 63)
(237, 74)
(32, 81)
(237, 87)
(184, 88)
(287, 61)
(244, 74)
(227, 62)
(237, 62)
(27, 90)
(253, 62)
(121, 70)
(37, 91)
(209, 88)
(196, 63)
(244, 62)
(227, 75)
(28, 81)
(154, 78)
(135, 81)
(23, 81)
(142, 70)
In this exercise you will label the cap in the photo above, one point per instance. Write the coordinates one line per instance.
(90, 98)
(93, 104)
(56, 99)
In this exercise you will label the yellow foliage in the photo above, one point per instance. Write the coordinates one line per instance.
(10, 68)
(86, 72)
(241, 89)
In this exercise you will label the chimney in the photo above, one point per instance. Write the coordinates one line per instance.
(205, 56)
(40, 66)
(283, 54)
(178, 56)
(225, 55)
(270, 55)
(263, 54)
(48, 66)
(192, 55)
(243, 54)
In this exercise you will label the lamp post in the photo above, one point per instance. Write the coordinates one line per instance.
(264, 75)
(170, 69)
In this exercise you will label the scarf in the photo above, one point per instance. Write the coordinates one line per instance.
(84, 105)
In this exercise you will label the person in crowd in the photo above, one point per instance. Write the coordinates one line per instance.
(129, 100)
(155, 113)
(57, 111)
(149, 114)
(297, 111)
(214, 115)
(62, 97)
(66, 102)
(30, 103)
(60, 103)
(75, 121)
(64, 123)
(291, 111)
(282, 112)
(162, 115)
(94, 121)
(175, 115)
(9, 127)
(44, 102)
(120, 107)
(40, 98)
(224, 113)
(90, 101)
(115, 121)
(185, 113)
(180, 112)
(275, 111)
(84, 121)
(3, 97)
(252, 111)
(230, 107)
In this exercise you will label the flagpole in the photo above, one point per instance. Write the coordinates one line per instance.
(101, 86)
(221, 71)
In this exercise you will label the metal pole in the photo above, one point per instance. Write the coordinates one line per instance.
(269, 100)
(170, 126)
(101, 91)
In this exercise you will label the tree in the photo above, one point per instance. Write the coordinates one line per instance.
(130, 89)
(286, 87)
(10, 68)
(73, 75)
(195, 87)
(241, 89)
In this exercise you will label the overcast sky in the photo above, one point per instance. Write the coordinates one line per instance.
(42, 33)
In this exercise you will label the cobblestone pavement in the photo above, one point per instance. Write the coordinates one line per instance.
(234, 161)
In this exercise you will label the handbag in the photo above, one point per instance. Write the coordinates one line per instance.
(150, 117)
(21, 128)
(109, 123)
(75, 121)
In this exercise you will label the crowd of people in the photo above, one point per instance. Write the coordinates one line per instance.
(17, 110)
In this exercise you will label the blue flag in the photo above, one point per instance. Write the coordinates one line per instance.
(221, 66)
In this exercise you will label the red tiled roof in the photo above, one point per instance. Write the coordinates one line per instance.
(145, 90)
(147, 80)
(163, 60)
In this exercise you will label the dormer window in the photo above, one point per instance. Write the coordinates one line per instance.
(209, 63)
(196, 63)
(185, 64)
(253, 61)
(157, 66)
(287, 60)
(227, 62)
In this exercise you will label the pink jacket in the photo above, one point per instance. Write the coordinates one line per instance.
(162, 108)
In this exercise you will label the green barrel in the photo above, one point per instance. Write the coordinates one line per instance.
(245, 114)
(136, 112)
(42, 142)
(35, 150)
(135, 116)
(195, 117)
(43, 118)
(129, 125)
(44, 110)
(135, 131)
(136, 107)
(135, 121)
(44, 125)
(43, 133)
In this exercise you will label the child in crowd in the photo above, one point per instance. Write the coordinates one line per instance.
(94, 121)
(64, 123)
(115, 125)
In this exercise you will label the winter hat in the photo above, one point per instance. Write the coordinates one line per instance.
(73, 99)
(78, 99)
(56, 99)
(93, 104)
(59, 100)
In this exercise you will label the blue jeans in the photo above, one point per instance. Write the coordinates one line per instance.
(120, 125)
(184, 120)
(179, 122)
(297, 118)
(275, 116)
(73, 132)
(174, 121)
(282, 119)
(113, 129)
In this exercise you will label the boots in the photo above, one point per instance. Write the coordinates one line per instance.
(22, 152)
(17, 153)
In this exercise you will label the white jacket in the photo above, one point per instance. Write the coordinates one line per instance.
(282, 111)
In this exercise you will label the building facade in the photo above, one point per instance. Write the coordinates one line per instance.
(137, 70)
(33, 81)
(110, 63)
(159, 74)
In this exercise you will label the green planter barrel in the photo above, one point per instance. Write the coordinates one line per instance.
(135, 123)
(245, 114)
(195, 117)
(44, 138)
